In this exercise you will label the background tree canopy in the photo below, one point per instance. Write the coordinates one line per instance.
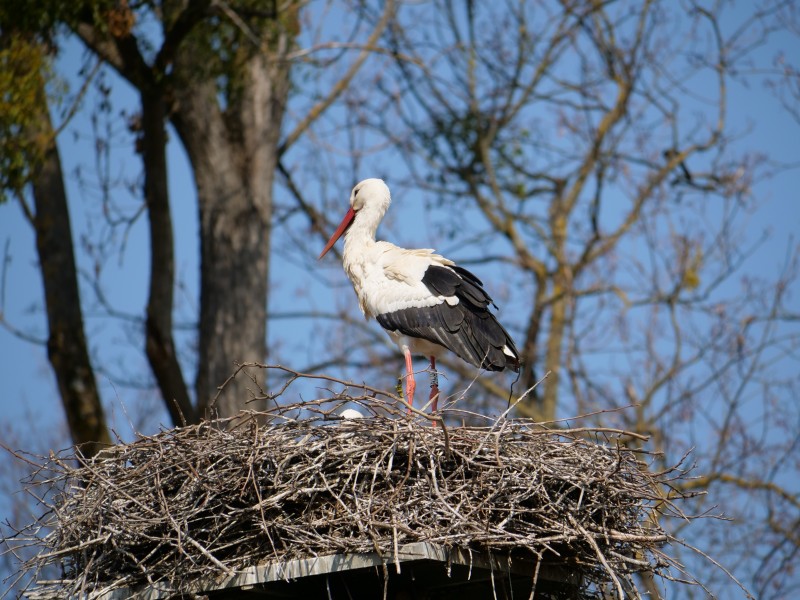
(620, 174)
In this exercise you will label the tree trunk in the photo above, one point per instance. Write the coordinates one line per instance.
(234, 155)
(66, 345)
(159, 342)
(227, 108)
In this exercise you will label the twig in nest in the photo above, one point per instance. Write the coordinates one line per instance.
(199, 502)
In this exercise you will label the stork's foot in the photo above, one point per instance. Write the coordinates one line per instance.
(434, 398)
(411, 385)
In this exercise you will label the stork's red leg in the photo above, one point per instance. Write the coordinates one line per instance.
(434, 397)
(411, 385)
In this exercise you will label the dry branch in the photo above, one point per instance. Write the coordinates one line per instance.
(298, 481)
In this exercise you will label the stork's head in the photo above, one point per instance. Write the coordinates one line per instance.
(368, 203)
(372, 194)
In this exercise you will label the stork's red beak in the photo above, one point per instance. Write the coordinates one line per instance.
(346, 222)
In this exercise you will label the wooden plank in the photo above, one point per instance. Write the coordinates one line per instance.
(306, 567)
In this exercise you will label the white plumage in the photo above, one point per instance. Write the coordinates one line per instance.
(425, 302)
(351, 413)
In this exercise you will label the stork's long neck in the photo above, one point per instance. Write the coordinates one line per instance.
(360, 236)
(359, 246)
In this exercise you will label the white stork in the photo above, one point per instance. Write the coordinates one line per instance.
(424, 301)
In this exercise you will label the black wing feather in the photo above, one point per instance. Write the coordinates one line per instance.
(468, 329)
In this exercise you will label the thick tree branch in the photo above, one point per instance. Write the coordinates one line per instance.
(121, 53)
(66, 346)
(160, 345)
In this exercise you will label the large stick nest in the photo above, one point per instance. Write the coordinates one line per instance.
(299, 481)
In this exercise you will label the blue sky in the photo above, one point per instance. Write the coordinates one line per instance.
(25, 369)
(29, 382)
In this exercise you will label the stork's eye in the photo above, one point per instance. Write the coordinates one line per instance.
(356, 202)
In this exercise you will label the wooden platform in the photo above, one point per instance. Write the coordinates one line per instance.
(420, 570)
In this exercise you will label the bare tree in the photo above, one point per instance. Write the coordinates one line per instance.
(221, 76)
(586, 150)
(231, 135)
